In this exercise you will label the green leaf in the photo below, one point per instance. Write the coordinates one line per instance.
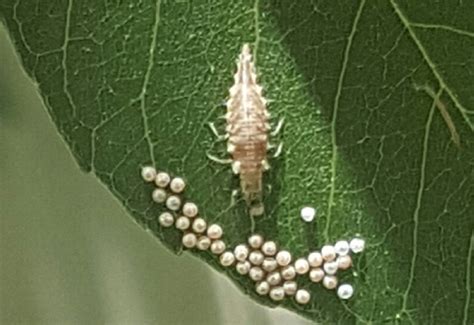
(373, 94)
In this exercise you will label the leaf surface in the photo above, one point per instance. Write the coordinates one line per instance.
(374, 95)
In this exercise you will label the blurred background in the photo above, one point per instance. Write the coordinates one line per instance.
(68, 251)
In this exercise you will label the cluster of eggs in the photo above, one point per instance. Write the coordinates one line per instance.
(274, 271)
(183, 215)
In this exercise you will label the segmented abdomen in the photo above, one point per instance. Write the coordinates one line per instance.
(247, 126)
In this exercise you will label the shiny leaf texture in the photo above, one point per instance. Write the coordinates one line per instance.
(378, 103)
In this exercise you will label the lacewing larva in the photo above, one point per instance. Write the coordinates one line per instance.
(248, 131)
(247, 127)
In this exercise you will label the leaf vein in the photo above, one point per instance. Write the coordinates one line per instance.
(67, 30)
(464, 111)
(444, 27)
(146, 80)
(20, 28)
(419, 197)
(334, 118)
(468, 280)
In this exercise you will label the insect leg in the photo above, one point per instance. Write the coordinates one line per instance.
(278, 127)
(234, 197)
(219, 160)
(220, 137)
(278, 150)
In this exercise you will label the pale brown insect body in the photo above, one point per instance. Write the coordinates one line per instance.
(247, 127)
